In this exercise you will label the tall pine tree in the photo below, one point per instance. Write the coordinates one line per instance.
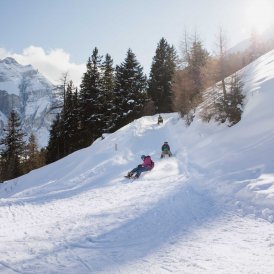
(161, 74)
(64, 133)
(90, 106)
(55, 148)
(13, 148)
(70, 116)
(107, 87)
(130, 89)
(230, 107)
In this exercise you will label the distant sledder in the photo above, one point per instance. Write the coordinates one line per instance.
(166, 150)
(160, 119)
(147, 165)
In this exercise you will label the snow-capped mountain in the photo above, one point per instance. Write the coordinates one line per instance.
(27, 91)
(208, 209)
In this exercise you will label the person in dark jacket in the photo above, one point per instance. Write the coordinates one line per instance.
(160, 119)
(166, 150)
(147, 165)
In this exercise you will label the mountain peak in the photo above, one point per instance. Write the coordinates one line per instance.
(9, 60)
(24, 89)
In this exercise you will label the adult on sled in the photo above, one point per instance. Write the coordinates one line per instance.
(147, 165)
(166, 150)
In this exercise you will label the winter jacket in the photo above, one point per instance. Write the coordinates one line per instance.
(165, 147)
(148, 162)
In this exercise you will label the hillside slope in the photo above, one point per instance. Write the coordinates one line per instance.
(208, 209)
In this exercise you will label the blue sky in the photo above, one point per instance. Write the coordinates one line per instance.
(77, 26)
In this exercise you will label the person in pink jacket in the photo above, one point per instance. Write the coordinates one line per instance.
(147, 165)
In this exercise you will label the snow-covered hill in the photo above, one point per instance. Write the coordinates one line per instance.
(23, 88)
(208, 209)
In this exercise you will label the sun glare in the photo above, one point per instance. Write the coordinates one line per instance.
(259, 15)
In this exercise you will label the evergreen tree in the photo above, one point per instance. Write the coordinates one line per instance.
(64, 133)
(55, 148)
(90, 101)
(92, 77)
(75, 122)
(231, 107)
(13, 148)
(161, 74)
(70, 116)
(2, 169)
(108, 77)
(130, 90)
(107, 87)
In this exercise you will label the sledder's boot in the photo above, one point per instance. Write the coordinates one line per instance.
(129, 175)
(136, 176)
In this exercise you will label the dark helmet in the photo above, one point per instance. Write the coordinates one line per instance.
(143, 157)
(165, 142)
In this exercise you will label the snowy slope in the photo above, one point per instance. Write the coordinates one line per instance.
(208, 209)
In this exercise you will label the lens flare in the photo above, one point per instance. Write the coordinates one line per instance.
(259, 15)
